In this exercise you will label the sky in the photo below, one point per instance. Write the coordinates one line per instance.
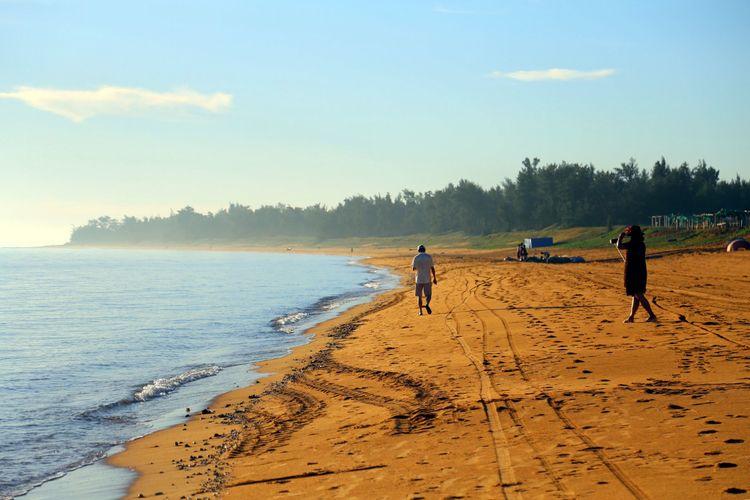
(139, 108)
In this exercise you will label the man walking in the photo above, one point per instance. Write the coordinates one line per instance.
(423, 265)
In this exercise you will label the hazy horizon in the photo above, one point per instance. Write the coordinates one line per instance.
(140, 108)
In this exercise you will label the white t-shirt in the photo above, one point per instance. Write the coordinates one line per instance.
(422, 263)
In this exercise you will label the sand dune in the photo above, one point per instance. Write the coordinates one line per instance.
(523, 383)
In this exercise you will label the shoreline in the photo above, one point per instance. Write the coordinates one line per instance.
(319, 311)
(524, 380)
(272, 371)
(282, 249)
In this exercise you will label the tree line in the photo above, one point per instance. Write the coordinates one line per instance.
(564, 194)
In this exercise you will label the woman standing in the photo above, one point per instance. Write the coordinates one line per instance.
(635, 270)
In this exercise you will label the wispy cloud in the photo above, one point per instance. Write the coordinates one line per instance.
(553, 74)
(78, 105)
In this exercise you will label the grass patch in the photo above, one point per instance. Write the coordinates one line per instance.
(573, 238)
(564, 238)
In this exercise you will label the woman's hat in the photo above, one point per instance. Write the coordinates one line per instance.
(634, 231)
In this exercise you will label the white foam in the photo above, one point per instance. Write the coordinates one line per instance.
(331, 305)
(163, 386)
(291, 318)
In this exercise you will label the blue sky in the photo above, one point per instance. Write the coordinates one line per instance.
(141, 107)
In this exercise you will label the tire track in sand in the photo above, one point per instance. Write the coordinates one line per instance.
(407, 417)
(515, 416)
(597, 450)
(299, 408)
(488, 397)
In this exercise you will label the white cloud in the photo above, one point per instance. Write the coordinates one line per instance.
(78, 105)
(554, 74)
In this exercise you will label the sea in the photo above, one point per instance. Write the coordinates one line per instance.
(100, 346)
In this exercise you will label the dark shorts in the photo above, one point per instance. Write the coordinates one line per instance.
(427, 287)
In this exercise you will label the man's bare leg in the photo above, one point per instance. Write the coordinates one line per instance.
(647, 307)
(427, 306)
(633, 310)
(420, 304)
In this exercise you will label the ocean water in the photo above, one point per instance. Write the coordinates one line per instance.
(98, 347)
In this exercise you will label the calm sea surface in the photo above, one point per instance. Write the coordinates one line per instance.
(100, 346)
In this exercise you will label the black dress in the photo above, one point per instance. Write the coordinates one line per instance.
(635, 267)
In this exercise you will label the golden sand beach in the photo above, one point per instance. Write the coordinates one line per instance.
(524, 382)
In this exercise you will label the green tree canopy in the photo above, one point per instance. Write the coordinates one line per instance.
(565, 194)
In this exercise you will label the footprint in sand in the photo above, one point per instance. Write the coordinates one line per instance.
(734, 441)
(726, 465)
(735, 491)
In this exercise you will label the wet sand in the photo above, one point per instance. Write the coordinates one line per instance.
(523, 382)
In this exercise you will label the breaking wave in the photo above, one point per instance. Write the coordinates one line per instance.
(154, 389)
(163, 386)
(289, 323)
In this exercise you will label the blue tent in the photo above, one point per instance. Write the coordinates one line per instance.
(540, 241)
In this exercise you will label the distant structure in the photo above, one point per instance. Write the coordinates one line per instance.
(738, 244)
(537, 242)
(722, 220)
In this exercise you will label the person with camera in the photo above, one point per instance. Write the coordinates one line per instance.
(635, 270)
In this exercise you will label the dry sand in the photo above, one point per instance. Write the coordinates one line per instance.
(524, 382)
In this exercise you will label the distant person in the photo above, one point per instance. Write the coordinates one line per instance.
(423, 265)
(635, 270)
(522, 253)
